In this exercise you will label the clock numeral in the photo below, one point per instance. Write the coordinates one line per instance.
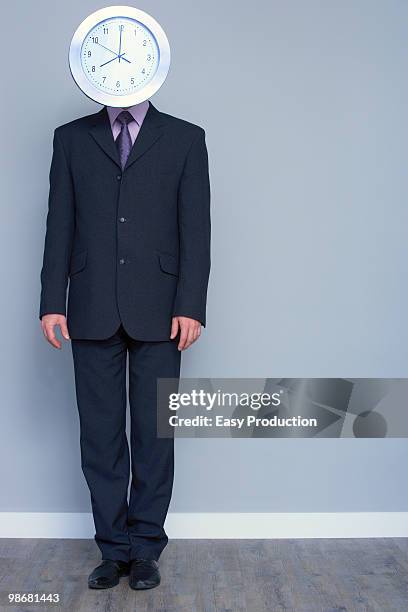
(93, 68)
(132, 81)
(121, 28)
(135, 32)
(105, 30)
(89, 53)
(143, 71)
(149, 57)
(95, 39)
(104, 78)
(144, 43)
(117, 83)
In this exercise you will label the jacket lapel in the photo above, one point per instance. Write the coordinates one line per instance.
(101, 131)
(150, 131)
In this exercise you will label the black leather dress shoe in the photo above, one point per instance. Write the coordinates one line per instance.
(144, 574)
(107, 574)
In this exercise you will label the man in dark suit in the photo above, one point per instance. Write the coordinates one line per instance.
(129, 225)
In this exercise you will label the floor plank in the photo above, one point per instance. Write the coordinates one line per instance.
(356, 575)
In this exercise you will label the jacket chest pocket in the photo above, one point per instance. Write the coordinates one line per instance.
(78, 262)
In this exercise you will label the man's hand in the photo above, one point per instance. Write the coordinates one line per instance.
(190, 331)
(48, 323)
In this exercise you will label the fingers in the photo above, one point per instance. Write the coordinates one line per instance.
(174, 328)
(191, 336)
(183, 335)
(190, 332)
(49, 323)
(64, 329)
(49, 332)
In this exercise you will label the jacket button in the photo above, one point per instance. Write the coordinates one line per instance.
(122, 219)
(119, 176)
(121, 261)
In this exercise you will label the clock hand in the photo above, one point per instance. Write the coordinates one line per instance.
(120, 42)
(120, 55)
(112, 60)
(114, 52)
(115, 58)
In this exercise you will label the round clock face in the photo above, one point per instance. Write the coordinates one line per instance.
(119, 56)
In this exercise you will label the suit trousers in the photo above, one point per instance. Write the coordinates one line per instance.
(126, 526)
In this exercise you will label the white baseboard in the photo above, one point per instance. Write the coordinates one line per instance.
(215, 525)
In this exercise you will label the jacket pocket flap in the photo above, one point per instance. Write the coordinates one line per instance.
(78, 262)
(168, 263)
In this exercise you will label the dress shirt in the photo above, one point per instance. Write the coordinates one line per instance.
(138, 112)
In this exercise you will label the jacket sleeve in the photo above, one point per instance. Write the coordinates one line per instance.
(59, 233)
(194, 233)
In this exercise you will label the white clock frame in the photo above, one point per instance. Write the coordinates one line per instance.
(91, 90)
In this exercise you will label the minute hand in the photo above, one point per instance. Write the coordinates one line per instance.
(120, 42)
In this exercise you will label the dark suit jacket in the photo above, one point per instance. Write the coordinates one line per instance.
(135, 245)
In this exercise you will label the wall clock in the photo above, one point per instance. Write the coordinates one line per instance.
(119, 56)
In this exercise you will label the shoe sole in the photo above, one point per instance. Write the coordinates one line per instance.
(144, 587)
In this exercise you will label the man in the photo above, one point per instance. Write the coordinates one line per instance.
(129, 225)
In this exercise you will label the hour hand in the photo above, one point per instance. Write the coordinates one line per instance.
(119, 57)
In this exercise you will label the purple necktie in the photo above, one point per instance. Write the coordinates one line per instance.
(124, 141)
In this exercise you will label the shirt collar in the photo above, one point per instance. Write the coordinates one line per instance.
(138, 112)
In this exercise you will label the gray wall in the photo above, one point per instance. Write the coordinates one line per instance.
(305, 106)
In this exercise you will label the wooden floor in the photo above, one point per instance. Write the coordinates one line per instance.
(219, 575)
